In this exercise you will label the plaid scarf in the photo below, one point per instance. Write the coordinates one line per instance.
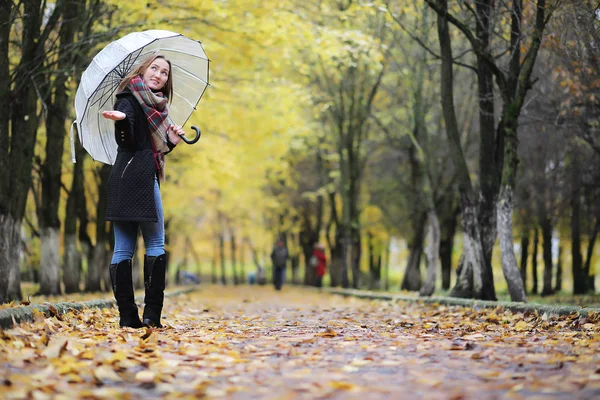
(157, 114)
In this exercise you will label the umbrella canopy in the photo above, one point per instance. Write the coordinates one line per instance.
(99, 83)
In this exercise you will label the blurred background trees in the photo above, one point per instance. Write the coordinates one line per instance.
(411, 138)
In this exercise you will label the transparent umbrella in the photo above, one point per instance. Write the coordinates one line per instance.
(99, 82)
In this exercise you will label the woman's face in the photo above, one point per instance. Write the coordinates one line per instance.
(157, 74)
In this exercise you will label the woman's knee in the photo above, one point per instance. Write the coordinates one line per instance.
(155, 251)
(121, 255)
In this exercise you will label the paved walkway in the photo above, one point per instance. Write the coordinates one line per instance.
(253, 342)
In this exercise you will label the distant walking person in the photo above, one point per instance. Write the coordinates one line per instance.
(279, 257)
(319, 262)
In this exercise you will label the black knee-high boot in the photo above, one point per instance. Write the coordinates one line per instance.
(122, 283)
(155, 269)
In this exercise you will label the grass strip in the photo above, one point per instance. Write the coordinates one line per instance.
(10, 317)
(455, 301)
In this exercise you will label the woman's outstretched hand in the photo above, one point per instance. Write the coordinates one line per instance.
(114, 115)
(175, 133)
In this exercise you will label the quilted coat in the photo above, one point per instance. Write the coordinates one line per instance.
(130, 192)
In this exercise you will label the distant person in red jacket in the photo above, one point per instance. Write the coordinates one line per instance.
(319, 262)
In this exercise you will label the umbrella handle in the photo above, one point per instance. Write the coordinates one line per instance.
(194, 140)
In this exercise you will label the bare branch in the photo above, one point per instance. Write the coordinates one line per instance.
(485, 55)
(425, 47)
(390, 138)
(34, 230)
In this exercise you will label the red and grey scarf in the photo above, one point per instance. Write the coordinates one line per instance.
(157, 114)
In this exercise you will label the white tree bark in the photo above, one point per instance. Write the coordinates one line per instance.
(96, 264)
(105, 270)
(10, 247)
(432, 253)
(505, 232)
(473, 249)
(72, 265)
(49, 261)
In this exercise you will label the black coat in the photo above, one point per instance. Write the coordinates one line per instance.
(130, 193)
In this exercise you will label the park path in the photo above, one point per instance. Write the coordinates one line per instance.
(253, 343)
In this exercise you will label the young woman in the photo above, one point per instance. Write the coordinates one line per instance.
(144, 134)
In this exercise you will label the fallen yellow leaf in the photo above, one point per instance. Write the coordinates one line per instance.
(146, 377)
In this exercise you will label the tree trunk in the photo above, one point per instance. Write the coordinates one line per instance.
(10, 245)
(464, 278)
(386, 265)
(308, 236)
(260, 269)
(335, 245)
(350, 119)
(473, 263)
(244, 277)
(310, 274)
(17, 149)
(447, 231)
(168, 260)
(97, 264)
(559, 269)
(514, 91)
(295, 257)
(588, 259)
(295, 264)
(104, 232)
(579, 280)
(222, 257)
(412, 275)
(335, 265)
(507, 131)
(51, 170)
(236, 281)
(476, 275)
(345, 262)
(490, 148)
(96, 268)
(105, 271)
(6, 220)
(213, 265)
(6, 10)
(418, 195)
(72, 262)
(498, 155)
(23, 138)
(509, 261)
(546, 225)
(534, 259)
(85, 241)
(374, 264)
(524, 253)
(432, 252)
(356, 256)
(49, 261)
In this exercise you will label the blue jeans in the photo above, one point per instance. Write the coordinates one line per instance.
(153, 232)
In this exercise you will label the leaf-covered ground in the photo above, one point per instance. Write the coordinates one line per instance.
(253, 342)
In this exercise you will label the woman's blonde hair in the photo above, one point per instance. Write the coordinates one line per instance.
(166, 90)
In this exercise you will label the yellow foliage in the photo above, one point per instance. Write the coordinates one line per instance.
(258, 107)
